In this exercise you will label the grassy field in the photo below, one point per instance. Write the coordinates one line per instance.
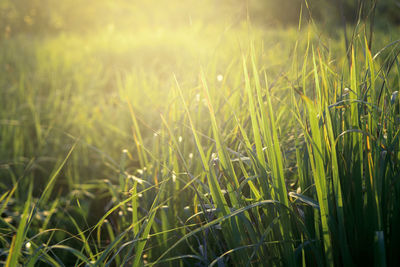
(200, 146)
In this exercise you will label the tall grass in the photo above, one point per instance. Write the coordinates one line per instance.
(279, 162)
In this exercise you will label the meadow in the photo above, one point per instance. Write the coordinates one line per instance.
(205, 145)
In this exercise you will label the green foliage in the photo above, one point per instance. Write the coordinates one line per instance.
(243, 148)
(46, 17)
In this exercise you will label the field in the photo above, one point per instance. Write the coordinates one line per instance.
(229, 144)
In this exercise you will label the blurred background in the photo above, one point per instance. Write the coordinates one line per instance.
(49, 16)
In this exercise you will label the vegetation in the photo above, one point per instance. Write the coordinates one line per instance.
(224, 143)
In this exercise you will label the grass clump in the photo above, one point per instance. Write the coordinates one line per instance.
(276, 151)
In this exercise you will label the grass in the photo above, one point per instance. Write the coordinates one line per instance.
(264, 147)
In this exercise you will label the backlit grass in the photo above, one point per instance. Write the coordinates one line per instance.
(176, 148)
